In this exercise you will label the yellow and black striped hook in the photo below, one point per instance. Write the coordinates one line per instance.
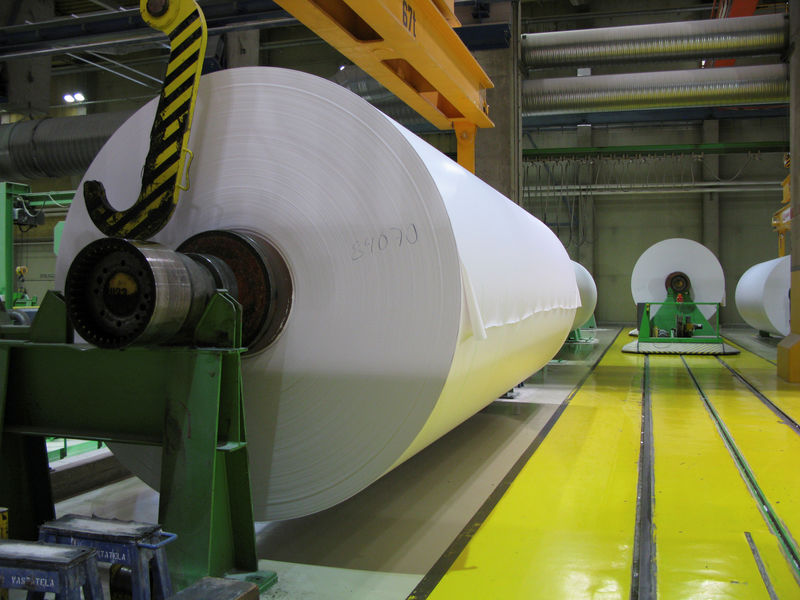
(184, 24)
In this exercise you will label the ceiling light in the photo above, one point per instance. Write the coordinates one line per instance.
(79, 97)
(69, 98)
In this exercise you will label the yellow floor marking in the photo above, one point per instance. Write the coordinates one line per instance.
(770, 447)
(703, 508)
(763, 375)
(565, 527)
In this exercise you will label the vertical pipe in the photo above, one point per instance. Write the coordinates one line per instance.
(585, 250)
(7, 244)
(789, 347)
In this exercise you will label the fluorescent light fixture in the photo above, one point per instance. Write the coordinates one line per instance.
(341, 67)
(69, 98)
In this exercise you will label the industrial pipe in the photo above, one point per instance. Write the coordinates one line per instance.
(730, 86)
(66, 146)
(709, 38)
(789, 347)
(54, 147)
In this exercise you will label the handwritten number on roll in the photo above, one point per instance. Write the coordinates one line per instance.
(386, 240)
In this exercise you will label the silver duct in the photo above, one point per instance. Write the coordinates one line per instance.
(710, 38)
(54, 147)
(730, 86)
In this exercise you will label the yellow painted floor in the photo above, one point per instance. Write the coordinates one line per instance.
(723, 465)
(703, 508)
(567, 525)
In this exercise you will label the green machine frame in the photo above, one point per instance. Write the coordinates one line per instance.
(186, 400)
(9, 192)
(677, 326)
(680, 321)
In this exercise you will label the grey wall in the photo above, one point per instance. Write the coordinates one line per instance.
(625, 228)
(618, 228)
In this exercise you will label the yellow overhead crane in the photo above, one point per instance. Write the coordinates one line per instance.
(782, 218)
(410, 47)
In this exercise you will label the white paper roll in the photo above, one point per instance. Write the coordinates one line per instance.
(762, 296)
(588, 293)
(678, 254)
(420, 293)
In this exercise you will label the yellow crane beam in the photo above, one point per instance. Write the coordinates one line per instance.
(410, 47)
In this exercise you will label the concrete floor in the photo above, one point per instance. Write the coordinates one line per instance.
(749, 338)
(380, 543)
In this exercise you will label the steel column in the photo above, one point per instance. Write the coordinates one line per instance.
(789, 347)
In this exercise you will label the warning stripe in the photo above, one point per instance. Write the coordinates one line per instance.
(169, 134)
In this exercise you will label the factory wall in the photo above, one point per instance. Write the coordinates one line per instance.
(624, 229)
(747, 239)
(41, 263)
(34, 249)
(619, 227)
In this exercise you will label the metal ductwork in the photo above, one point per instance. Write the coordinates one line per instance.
(710, 38)
(54, 147)
(57, 147)
(730, 86)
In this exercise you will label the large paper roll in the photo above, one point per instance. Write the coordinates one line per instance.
(420, 293)
(762, 296)
(679, 255)
(587, 289)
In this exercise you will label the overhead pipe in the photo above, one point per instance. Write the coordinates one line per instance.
(57, 147)
(672, 187)
(729, 86)
(54, 147)
(709, 38)
(66, 146)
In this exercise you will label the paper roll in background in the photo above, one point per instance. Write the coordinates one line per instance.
(762, 296)
(678, 254)
(420, 293)
(588, 293)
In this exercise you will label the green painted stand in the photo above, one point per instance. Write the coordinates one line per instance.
(9, 192)
(676, 321)
(186, 400)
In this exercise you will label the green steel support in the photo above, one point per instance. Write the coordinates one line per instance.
(65, 449)
(38, 200)
(666, 149)
(186, 400)
(8, 191)
(678, 321)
